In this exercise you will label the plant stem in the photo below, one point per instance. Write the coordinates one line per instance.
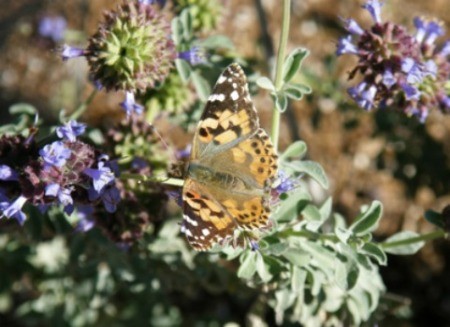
(416, 239)
(83, 106)
(144, 178)
(276, 116)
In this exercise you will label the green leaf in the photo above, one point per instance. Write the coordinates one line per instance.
(293, 63)
(186, 23)
(296, 149)
(297, 257)
(375, 251)
(248, 265)
(325, 209)
(342, 234)
(292, 93)
(265, 83)
(281, 101)
(311, 168)
(177, 31)
(290, 207)
(311, 213)
(183, 68)
(368, 220)
(435, 218)
(262, 269)
(346, 274)
(395, 244)
(298, 279)
(216, 41)
(201, 86)
(22, 108)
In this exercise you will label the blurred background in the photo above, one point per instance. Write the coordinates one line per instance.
(377, 155)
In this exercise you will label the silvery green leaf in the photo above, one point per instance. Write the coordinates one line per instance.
(394, 244)
(201, 86)
(293, 63)
(248, 265)
(311, 168)
(265, 83)
(297, 149)
(183, 68)
(368, 220)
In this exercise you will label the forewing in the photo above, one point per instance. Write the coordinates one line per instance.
(229, 116)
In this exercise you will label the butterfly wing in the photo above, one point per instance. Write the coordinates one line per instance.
(228, 140)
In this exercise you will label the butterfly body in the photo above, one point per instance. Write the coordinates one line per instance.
(231, 167)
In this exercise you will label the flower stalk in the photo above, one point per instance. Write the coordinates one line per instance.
(276, 116)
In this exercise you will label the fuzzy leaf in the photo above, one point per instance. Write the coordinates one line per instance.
(201, 86)
(311, 168)
(281, 101)
(248, 265)
(291, 206)
(293, 63)
(183, 68)
(217, 41)
(389, 245)
(368, 220)
(375, 251)
(297, 257)
(262, 269)
(296, 149)
(265, 83)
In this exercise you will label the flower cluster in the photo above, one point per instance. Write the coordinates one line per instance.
(66, 172)
(399, 70)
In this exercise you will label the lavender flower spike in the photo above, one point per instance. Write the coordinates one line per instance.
(14, 209)
(345, 46)
(68, 52)
(130, 105)
(194, 56)
(353, 27)
(63, 194)
(71, 130)
(374, 8)
(7, 173)
(101, 176)
(55, 154)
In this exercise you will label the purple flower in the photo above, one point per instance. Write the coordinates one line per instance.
(194, 56)
(445, 51)
(286, 182)
(68, 52)
(389, 78)
(110, 197)
(13, 209)
(353, 27)
(63, 194)
(412, 70)
(345, 46)
(364, 95)
(55, 154)
(374, 8)
(411, 92)
(130, 105)
(254, 246)
(7, 173)
(86, 220)
(427, 32)
(101, 176)
(162, 3)
(52, 27)
(70, 130)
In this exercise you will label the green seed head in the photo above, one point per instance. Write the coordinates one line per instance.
(132, 49)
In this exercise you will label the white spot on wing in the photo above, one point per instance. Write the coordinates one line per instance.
(221, 79)
(234, 95)
(190, 221)
(205, 231)
(216, 97)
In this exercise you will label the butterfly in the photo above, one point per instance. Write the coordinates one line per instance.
(231, 168)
